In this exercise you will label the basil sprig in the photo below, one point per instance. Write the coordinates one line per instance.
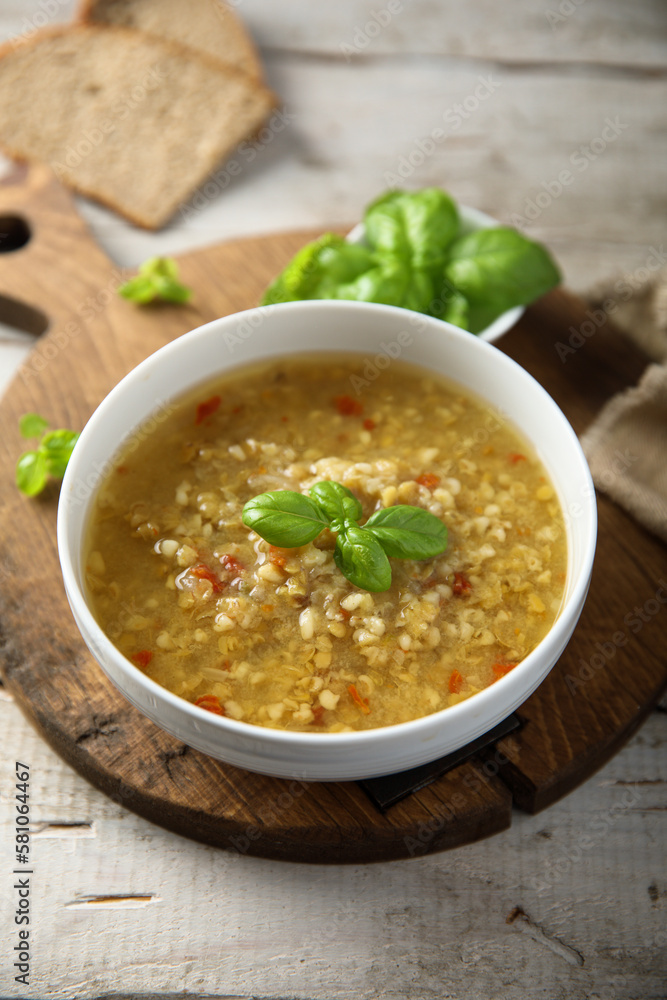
(157, 280)
(289, 520)
(49, 458)
(418, 255)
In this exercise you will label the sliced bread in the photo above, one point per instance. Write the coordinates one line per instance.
(209, 26)
(126, 118)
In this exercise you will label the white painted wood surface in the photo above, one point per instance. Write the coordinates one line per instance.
(585, 881)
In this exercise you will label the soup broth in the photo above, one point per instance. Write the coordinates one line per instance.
(279, 637)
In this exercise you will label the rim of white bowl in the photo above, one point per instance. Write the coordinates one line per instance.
(473, 219)
(473, 706)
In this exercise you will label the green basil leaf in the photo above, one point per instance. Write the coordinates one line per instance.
(340, 264)
(392, 283)
(31, 425)
(318, 269)
(335, 501)
(139, 290)
(415, 227)
(171, 291)
(456, 310)
(31, 473)
(304, 272)
(407, 532)
(56, 448)
(500, 268)
(361, 558)
(277, 292)
(157, 279)
(284, 518)
(480, 316)
(160, 267)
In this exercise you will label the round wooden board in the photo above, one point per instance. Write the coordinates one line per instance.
(610, 676)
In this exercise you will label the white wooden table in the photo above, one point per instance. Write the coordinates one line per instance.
(570, 903)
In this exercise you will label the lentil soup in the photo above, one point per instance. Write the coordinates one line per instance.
(279, 637)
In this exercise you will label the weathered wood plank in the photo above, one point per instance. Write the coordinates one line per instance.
(590, 871)
(617, 33)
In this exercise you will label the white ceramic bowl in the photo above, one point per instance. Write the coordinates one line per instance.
(279, 330)
(471, 220)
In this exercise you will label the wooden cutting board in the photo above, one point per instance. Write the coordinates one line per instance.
(606, 682)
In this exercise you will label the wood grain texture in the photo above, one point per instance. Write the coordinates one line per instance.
(567, 734)
(352, 119)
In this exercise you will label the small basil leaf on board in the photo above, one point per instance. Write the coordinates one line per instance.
(500, 268)
(361, 558)
(31, 425)
(407, 532)
(336, 501)
(171, 291)
(139, 290)
(31, 473)
(57, 447)
(157, 279)
(284, 518)
(415, 227)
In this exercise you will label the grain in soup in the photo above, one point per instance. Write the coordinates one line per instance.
(279, 637)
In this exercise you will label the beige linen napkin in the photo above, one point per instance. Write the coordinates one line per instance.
(626, 446)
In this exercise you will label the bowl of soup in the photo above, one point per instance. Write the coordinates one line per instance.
(268, 657)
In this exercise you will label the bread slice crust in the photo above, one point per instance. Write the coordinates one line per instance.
(130, 120)
(210, 27)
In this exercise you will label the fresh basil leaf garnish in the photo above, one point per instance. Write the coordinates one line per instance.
(284, 518)
(289, 520)
(360, 557)
(336, 501)
(406, 532)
